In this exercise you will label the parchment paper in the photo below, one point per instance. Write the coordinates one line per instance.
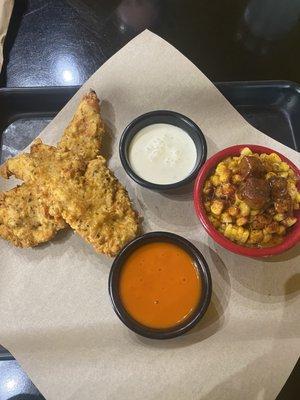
(6, 7)
(55, 313)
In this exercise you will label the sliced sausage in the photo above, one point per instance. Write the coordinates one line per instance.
(255, 192)
(251, 166)
(278, 187)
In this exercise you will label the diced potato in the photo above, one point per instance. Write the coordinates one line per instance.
(217, 207)
(243, 235)
(233, 211)
(267, 237)
(219, 192)
(216, 223)
(292, 190)
(271, 228)
(281, 230)
(228, 190)
(228, 231)
(215, 180)
(256, 236)
(279, 217)
(226, 218)
(246, 151)
(241, 221)
(207, 206)
(289, 221)
(207, 187)
(245, 209)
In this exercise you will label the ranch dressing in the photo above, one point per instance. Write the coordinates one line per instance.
(162, 154)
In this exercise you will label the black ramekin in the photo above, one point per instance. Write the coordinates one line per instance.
(165, 117)
(113, 286)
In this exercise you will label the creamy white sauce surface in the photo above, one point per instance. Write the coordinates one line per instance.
(162, 154)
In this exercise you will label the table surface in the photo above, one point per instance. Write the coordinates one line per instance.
(62, 42)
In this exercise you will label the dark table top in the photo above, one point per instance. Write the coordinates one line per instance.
(62, 42)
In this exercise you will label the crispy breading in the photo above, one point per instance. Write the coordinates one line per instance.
(96, 206)
(82, 137)
(84, 134)
(25, 218)
(78, 185)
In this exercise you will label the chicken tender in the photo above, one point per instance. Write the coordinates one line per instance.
(78, 185)
(97, 207)
(83, 138)
(25, 218)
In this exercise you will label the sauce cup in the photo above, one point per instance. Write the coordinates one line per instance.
(170, 118)
(201, 268)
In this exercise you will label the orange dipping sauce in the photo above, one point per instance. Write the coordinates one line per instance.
(159, 285)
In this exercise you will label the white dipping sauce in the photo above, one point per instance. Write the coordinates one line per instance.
(162, 154)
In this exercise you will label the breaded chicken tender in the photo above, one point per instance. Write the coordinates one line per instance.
(96, 206)
(83, 138)
(77, 184)
(25, 218)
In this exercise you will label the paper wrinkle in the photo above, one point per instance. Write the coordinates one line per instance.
(56, 316)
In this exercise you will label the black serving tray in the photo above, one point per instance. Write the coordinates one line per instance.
(271, 106)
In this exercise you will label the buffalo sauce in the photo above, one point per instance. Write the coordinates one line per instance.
(159, 285)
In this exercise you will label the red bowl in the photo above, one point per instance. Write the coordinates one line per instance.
(293, 235)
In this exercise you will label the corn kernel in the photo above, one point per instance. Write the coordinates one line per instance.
(233, 211)
(236, 178)
(278, 217)
(284, 166)
(217, 207)
(226, 218)
(273, 157)
(225, 176)
(270, 174)
(246, 151)
(284, 174)
(221, 168)
(241, 221)
(215, 180)
(245, 209)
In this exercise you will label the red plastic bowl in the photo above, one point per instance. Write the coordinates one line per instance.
(293, 235)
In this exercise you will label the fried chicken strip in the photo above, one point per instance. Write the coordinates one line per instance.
(83, 138)
(79, 187)
(96, 206)
(25, 218)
